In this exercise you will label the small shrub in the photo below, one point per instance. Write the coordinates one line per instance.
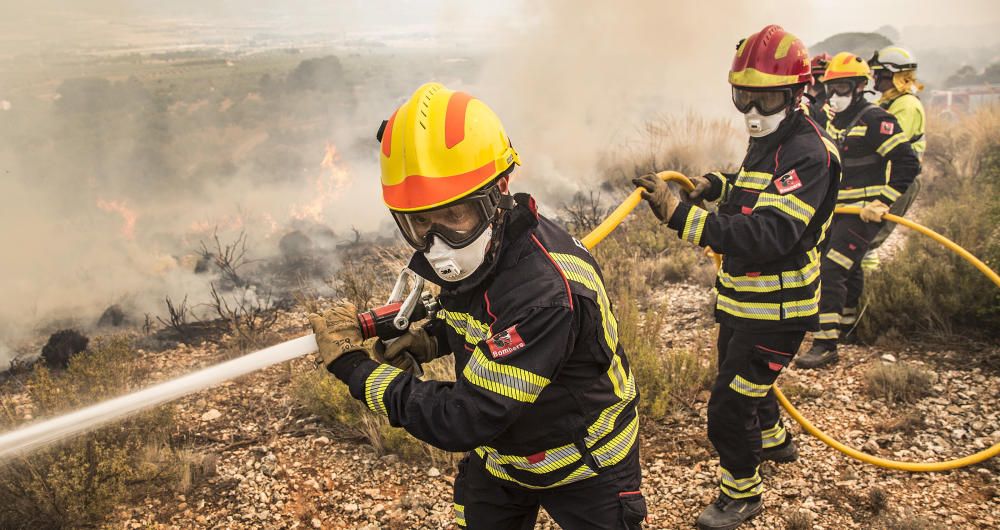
(898, 382)
(878, 500)
(798, 521)
(78, 482)
(61, 346)
(910, 522)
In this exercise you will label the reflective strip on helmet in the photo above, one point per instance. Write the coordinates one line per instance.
(503, 379)
(893, 142)
(753, 180)
(376, 385)
(460, 515)
(839, 258)
(694, 225)
(751, 77)
(787, 204)
(773, 437)
(741, 488)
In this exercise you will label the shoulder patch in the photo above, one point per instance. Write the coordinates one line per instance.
(887, 128)
(788, 182)
(505, 343)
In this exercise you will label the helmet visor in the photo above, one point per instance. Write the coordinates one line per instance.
(458, 223)
(767, 102)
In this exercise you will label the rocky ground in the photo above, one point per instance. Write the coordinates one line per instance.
(272, 467)
(265, 463)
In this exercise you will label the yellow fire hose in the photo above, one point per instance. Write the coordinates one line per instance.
(618, 215)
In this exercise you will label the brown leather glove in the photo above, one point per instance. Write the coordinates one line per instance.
(873, 211)
(415, 346)
(661, 198)
(701, 186)
(337, 332)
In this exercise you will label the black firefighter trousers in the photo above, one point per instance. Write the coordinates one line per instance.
(842, 276)
(609, 501)
(743, 414)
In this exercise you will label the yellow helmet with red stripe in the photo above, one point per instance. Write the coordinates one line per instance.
(846, 65)
(440, 146)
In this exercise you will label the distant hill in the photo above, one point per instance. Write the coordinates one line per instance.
(861, 44)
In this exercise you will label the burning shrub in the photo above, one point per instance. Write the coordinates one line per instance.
(79, 481)
(62, 345)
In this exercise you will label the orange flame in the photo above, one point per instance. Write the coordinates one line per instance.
(328, 186)
(128, 216)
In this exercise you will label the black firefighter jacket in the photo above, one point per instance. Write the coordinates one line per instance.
(772, 216)
(544, 393)
(878, 159)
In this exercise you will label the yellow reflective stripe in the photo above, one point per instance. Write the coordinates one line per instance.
(754, 310)
(605, 422)
(554, 459)
(618, 447)
(861, 193)
(579, 271)
(804, 276)
(891, 143)
(858, 130)
(466, 325)
(839, 258)
(376, 384)
(748, 388)
(726, 185)
(831, 148)
(740, 483)
(767, 283)
(509, 381)
(829, 318)
(891, 193)
(773, 437)
(580, 473)
(801, 308)
(460, 515)
(694, 225)
(754, 180)
(788, 204)
(826, 334)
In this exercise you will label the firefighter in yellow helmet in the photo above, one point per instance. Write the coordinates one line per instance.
(895, 71)
(545, 401)
(879, 166)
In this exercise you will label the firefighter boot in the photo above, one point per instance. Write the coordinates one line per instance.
(783, 454)
(821, 354)
(727, 513)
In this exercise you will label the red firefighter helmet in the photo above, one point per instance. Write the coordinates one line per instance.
(770, 58)
(819, 64)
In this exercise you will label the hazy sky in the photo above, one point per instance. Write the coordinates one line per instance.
(811, 19)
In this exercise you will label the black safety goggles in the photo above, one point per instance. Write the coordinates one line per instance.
(458, 223)
(766, 101)
(841, 87)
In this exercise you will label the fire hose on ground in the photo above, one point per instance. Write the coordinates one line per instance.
(48, 431)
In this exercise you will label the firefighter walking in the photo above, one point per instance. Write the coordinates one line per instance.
(771, 218)
(879, 165)
(544, 402)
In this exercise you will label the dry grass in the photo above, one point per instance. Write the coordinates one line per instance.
(78, 482)
(926, 288)
(898, 382)
(798, 521)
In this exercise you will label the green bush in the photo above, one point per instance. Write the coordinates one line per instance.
(77, 483)
(927, 288)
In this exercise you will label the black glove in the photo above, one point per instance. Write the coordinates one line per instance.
(701, 186)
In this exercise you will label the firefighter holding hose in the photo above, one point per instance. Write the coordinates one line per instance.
(879, 166)
(545, 401)
(770, 222)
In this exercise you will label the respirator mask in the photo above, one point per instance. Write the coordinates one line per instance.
(763, 109)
